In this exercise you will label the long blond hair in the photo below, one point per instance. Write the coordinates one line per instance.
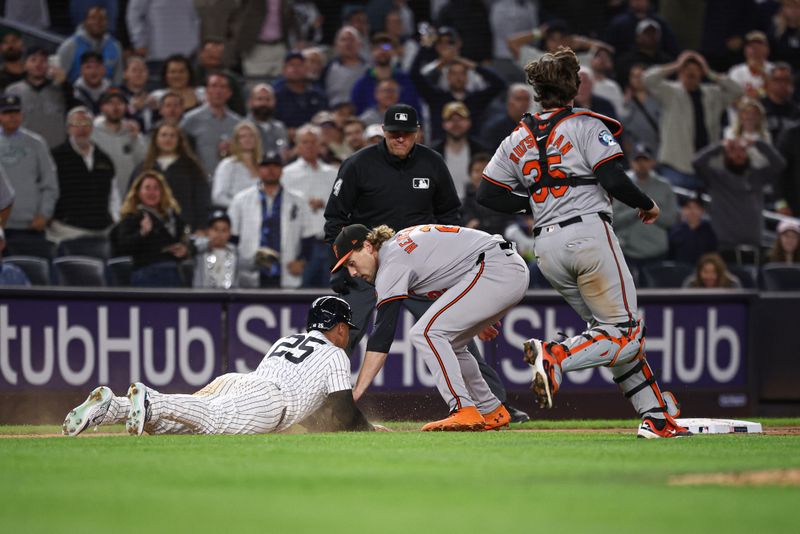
(379, 235)
(131, 204)
(236, 148)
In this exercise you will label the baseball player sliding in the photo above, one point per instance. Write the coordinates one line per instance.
(301, 375)
(474, 277)
(568, 162)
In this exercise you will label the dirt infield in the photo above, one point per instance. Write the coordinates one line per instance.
(774, 477)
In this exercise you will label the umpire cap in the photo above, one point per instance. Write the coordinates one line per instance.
(327, 312)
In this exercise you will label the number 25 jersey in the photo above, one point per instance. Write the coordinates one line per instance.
(576, 146)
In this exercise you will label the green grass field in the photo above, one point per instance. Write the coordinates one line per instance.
(547, 479)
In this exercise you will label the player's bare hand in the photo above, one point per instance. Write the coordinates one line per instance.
(490, 332)
(380, 428)
(649, 216)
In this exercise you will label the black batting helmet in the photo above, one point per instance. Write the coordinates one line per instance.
(327, 312)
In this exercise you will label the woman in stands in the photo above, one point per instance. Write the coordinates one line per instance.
(177, 76)
(786, 249)
(239, 170)
(169, 153)
(712, 273)
(152, 233)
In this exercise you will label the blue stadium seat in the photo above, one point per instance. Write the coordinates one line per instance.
(665, 274)
(781, 277)
(36, 269)
(119, 271)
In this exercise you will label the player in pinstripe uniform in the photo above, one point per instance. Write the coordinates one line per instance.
(474, 277)
(567, 161)
(300, 375)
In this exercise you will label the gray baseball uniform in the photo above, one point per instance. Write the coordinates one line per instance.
(290, 383)
(475, 277)
(576, 247)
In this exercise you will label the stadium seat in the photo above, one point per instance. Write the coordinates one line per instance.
(94, 247)
(119, 271)
(781, 277)
(747, 275)
(21, 245)
(665, 274)
(36, 269)
(79, 271)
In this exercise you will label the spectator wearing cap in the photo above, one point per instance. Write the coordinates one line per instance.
(458, 147)
(387, 94)
(92, 35)
(216, 261)
(692, 237)
(312, 178)
(447, 45)
(46, 97)
(645, 244)
(691, 112)
(161, 28)
(12, 53)
(781, 110)
(469, 17)
(363, 94)
(91, 84)
(239, 170)
(87, 195)
(736, 184)
(786, 248)
(27, 163)
(345, 67)
(297, 99)
(169, 153)
(333, 150)
(476, 101)
(496, 128)
(752, 74)
(271, 225)
(622, 30)
(373, 134)
(647, 50)
(261, 111)
(211, 125)
(263, 30)
(119, 138)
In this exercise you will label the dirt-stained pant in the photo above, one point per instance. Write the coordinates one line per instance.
(483, 296)
(584, 262)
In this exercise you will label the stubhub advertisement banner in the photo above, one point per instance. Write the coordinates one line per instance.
(180, 346)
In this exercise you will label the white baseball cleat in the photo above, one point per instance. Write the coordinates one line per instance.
(140, 408)
(543, 385)
(90, 412)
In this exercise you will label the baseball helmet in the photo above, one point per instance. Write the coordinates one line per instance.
(327, 312)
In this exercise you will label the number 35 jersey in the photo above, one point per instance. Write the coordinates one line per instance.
(576, 145)
(307, 368)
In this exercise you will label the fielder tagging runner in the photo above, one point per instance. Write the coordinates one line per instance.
(474, 277)
(568, 161)
(301, 375)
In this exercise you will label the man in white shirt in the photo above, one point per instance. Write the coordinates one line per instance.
(313, 179)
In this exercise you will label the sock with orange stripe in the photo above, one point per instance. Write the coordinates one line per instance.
(600, 345)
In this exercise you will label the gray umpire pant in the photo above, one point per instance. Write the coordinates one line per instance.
(362, 301)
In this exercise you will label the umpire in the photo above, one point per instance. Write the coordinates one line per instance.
(400, 184)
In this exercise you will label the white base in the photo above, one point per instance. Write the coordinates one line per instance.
(703, 425)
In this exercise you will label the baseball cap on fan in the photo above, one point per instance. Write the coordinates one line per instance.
(350, 238)
(400, 118)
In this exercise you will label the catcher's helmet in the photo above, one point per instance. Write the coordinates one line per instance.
(327, 312)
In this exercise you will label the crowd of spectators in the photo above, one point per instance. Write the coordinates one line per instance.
(210, 133)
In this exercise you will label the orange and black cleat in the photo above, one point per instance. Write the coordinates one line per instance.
(497, 419)
(544, 385)
(467, 419)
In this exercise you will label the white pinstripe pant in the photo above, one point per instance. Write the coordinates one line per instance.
(233, 403)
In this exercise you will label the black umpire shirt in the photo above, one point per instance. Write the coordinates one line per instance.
(374, 187)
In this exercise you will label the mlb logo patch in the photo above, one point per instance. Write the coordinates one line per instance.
(421, 183)
(401, 117)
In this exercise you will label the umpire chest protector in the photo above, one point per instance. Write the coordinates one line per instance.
(542, 132)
